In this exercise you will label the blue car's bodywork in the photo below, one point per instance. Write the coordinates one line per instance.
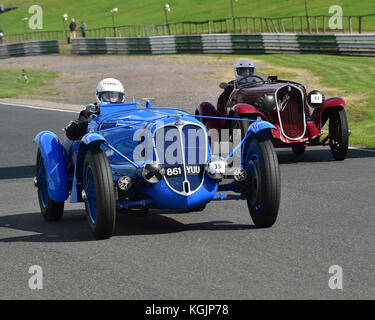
(114, 131)
(56, 174)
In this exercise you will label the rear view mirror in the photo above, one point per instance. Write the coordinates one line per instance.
(223, 85)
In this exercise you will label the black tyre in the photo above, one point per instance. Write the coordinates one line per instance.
(339, 134)
(299, 150)
(99, 189)
(51, 210)
(263, 182)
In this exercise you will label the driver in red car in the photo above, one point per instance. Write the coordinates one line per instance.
(243, 70)
(108, 91)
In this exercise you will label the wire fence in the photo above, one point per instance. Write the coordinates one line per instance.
(295, 24)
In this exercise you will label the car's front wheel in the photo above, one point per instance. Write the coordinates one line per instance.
(338, 134)
(51, 210)
(263, 182)
(99, 194)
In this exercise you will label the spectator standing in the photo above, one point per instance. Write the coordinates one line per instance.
(83, 29)
(73, 27)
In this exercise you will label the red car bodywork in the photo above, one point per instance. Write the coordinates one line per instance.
(295, 123)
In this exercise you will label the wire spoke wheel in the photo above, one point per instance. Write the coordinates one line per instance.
(100, 195)
(42, 182)
(263, 182)
(91, 194)
(254, 196)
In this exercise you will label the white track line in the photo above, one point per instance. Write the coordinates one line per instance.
(34, 107)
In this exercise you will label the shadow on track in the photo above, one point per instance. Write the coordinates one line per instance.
(286, 156)
(74, 226)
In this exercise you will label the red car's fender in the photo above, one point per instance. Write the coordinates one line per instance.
(244, 108)
(207, 109)
(333, 102)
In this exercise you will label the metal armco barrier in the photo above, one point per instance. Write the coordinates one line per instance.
(29, 48)
(344, 44)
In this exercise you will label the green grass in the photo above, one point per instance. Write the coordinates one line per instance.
(10, 87)
(135, 12)
(352, 74)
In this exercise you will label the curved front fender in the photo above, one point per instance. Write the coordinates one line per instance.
(257, 130)
(330, 103)
(54, 162)
(93, 140)
(244, 108)
(89, 141)
(260, 129)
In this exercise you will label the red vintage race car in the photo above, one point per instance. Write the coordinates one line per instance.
(300, 119)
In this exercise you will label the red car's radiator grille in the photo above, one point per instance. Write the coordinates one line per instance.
(291, 112)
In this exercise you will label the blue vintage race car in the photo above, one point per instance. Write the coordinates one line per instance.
(138, 157)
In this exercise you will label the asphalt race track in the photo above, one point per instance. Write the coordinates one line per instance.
(327, 217)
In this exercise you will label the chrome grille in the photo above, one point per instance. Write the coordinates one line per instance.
(182, 146)
(291, 112)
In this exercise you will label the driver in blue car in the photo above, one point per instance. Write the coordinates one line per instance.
(243, 71)
(108, 91)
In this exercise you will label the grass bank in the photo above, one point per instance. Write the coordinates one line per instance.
(12, 85)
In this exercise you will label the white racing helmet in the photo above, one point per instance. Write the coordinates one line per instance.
(243, 68)
(109, 91)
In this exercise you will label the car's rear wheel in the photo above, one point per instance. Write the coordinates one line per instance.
(298, 150)
(99, 193)
(338, 133)
(263, 182)
(51, 210)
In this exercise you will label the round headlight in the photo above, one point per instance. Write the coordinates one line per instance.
(266, 103)
(315, 99)
(153, 172)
